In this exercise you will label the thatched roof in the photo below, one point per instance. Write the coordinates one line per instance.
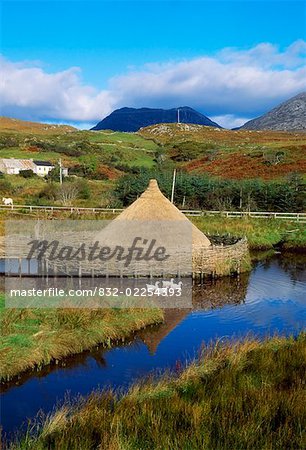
(152, 218)
(154, 206)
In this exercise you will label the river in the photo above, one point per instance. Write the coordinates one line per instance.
(269, 300)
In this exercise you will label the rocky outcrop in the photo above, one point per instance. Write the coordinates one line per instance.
(288, 116)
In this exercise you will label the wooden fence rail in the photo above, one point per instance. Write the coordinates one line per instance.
(296, 217)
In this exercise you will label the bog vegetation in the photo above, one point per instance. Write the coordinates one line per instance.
(247, 395)
(33, 338)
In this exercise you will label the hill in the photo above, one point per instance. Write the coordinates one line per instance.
(228, 154)
(100, 160)
(132, 119)
(288, 116)
(9, 124)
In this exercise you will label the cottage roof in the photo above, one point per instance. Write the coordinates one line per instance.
(43, 163)
(21, 164)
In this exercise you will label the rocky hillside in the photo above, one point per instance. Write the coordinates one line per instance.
(132, 119)
(288, 116)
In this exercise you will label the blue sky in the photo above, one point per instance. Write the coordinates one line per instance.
(108, 54)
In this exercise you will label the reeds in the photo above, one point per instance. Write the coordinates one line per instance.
(247, 395)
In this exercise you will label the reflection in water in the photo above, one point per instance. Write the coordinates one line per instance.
(269, 300)
(213, 294)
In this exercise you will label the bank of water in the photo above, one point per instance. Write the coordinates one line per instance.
(270, 300)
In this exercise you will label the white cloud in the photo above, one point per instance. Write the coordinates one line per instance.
(32, 93)
(233, 85)
(231, 82)
(267, 55)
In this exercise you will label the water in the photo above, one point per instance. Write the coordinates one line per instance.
(271, 299)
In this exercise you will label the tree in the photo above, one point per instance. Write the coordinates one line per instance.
(67, 192)
(54, 174)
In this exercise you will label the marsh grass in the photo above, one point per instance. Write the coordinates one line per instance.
(262, 234)
(33, 338)
(245, 395)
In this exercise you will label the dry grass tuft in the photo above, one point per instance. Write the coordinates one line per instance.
(248, 395)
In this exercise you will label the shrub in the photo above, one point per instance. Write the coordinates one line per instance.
(83, 189)
(49, 192)
(188, 150)
(5, 186)
(28, 173)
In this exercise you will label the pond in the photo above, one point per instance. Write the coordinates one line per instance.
(269, 300)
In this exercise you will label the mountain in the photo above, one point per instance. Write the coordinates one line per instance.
(132, 119)
(290, 115)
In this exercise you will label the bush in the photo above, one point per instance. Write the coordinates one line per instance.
(83, 189)
(54, 174)
(5, 186)
(188, 150)
(9, 140)
(49, 192)
(28, 173)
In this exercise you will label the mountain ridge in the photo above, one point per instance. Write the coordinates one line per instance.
(132, 119)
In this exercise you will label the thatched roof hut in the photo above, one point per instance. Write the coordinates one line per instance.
(152, 205)
(152, 214)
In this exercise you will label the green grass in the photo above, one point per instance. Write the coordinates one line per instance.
(120, 138)
(24, 154)
(123, 151)
(32, 338)
(243, 396)
(262, 234)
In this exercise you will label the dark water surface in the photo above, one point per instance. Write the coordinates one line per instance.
(271, 299)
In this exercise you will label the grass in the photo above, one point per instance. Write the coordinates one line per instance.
(244, 396)
(127, 149)
(262, 234)
(33, 338)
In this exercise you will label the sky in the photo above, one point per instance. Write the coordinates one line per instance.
(76, 61)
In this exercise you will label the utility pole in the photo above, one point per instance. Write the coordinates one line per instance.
(173, 186)
(60, 173)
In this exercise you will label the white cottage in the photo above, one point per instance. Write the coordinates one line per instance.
(42, 168)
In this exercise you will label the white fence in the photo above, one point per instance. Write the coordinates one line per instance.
(297, 217)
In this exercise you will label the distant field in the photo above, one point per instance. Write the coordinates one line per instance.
(119, 151)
